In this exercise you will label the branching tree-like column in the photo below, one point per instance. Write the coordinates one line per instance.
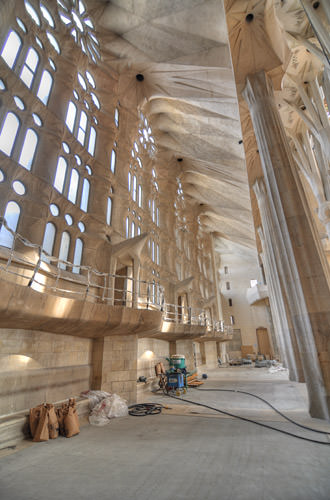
(302, 267)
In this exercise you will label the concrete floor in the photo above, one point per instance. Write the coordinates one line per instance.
(183, 457)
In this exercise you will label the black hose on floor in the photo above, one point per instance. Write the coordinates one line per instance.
(248, 420)
(143, 409)
(269, 404)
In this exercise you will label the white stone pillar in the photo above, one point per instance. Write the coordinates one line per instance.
(300, 261)
(276, 301)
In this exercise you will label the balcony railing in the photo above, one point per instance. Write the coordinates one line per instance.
(35, 268)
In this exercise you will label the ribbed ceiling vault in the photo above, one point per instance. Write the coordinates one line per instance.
(189, 93)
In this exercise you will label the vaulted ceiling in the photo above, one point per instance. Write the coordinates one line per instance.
(181, 48)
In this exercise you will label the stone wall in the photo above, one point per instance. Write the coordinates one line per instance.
(151, 352)
(40, 366)
(115, 365)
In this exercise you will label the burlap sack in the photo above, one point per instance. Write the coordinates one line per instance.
(60, 419)
(34, 419)
(53, 425)
(42, 432)
(71, 419)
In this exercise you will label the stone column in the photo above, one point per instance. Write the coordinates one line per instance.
(301, 264)
(282, 329)
(115, 365)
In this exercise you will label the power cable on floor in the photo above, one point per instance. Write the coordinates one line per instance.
(248, 420)
(143, 409)
(269, 404)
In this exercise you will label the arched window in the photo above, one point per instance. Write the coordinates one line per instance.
(29, 67)
(8, 133)
(133, 229)
(11, 48)
(60, 174)
(92, 141)
(73, 187)
(157, 254)
(157, 216)
(64, 249)
(77, 256)
(82, 128)
(113, 161)
(11, 215)
(127, 227)
(140, 196)
(134, 188)
(71, 116)
(109, 211)
(85, 195)
(45, 87)
(28, 149)
(129, 181)
(48, 241)
(139, 230)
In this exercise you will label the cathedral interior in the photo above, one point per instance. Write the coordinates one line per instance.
(164, 190)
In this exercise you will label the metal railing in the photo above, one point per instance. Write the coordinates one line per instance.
(42, 272)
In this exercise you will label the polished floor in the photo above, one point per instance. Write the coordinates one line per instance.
(187, 452)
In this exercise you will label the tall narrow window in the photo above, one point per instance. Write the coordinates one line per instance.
(117, 117)
(48, 241)
(11, 49)
(45, 86)
(113, 161)
(8, 133)
(64, 249)
(227, 284)
(77, 256)
(153, 251)
(153, 211)
(11, 215)
(157, 254)
(60, 174)
(129, 181)
(29, 67)
(92, 141)
(140, 196)
(82, 128)
(85, 195)
(133, 229)
(109, 211)
(73, 187)
(157, 216)
(134, 188)
(71, 116)
(127, 227)
(28, 149)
